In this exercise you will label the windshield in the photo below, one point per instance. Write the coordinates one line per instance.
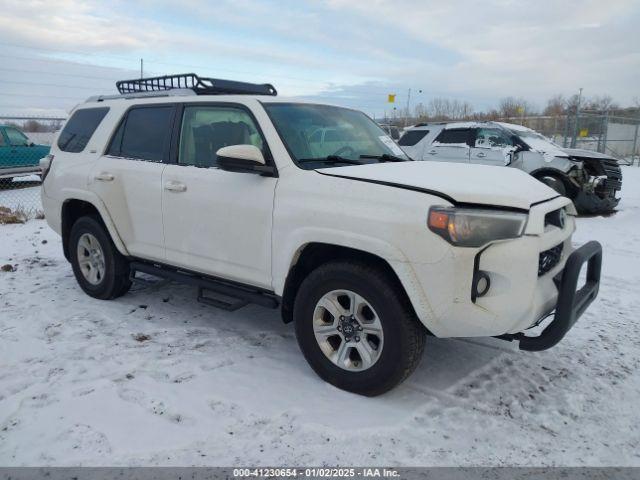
(539, 142)
(325, 136)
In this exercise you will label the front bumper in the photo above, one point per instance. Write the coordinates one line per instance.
(590, 203)
(571, 302)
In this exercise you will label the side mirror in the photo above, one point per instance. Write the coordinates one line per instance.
(243, 158)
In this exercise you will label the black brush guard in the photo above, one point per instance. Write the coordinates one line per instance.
(571, 302)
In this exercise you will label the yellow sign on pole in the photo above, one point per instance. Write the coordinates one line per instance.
(392, 98)
(584, 132)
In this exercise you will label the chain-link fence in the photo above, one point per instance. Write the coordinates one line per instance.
(23, 142)
(615, 135)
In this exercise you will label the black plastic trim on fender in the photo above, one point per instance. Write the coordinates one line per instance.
(477, 273)
(248, 293)
(435, 193)
(571, 302)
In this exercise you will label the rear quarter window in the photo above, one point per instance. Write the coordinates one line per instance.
(410, 138)
(79, 128)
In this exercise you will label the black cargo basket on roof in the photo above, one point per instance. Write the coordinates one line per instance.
(191, 81)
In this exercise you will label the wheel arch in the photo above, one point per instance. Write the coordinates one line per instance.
(74, 208)
(562, 176)
(312, 255)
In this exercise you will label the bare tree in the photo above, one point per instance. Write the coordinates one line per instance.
(447, 109)
(600, 103)
(514, 107)
(556, 106)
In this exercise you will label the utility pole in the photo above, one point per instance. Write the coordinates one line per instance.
(577, 126)
(141, 68)
(406, 117)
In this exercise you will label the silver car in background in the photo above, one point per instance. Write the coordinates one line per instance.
(591, 179)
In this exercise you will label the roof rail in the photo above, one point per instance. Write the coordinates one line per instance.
(164, 93)
(191, 81)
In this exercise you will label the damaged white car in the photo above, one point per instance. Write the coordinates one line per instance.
(591, 179)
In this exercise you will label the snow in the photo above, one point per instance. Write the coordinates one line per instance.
(216, 388)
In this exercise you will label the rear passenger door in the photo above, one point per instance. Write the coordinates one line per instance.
(451, 145)
(492, 146)
(128, 178)
(215, 221)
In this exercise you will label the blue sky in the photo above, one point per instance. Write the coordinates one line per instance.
(352, 52)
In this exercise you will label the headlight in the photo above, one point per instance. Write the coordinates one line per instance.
(470, 227)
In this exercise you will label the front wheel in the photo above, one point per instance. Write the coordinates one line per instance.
(554, 182)
(356, 328)
(101, 271)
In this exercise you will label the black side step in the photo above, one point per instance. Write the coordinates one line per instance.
(240, 293)
(225, 302)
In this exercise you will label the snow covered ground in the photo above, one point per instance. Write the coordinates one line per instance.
(80, 383)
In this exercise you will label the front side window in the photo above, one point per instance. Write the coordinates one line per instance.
(492, 138)
(454, 137)
(206, 129)
(78, 131)
(327, 136)
(16, 137)
(144, 134)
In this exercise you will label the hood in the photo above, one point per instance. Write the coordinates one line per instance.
(456, 183)
(578, 152)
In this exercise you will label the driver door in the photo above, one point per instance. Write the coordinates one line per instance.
(492, 146)
(215, 221)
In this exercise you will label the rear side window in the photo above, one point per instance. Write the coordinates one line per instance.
(78, 130)
(457, 136)
(144, 134)
(410, 138)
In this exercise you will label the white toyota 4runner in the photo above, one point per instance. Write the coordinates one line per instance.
(312, 209)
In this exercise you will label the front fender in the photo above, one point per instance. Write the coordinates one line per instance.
(286, 257)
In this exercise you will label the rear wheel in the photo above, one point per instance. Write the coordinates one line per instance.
(101, 271)
(356, 329)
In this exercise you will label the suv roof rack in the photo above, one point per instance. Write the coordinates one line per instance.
(191, 81)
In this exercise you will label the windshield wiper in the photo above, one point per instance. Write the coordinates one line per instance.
(330, 159)
(385, 157)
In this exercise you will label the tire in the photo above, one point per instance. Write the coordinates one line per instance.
(400, 345)
(554, 182)
(114, 280)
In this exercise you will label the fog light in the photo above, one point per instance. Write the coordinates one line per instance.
(481, 284)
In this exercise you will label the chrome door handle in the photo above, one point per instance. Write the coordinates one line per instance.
(481, 155)
(432, 152)
(104, 177)
(175, 187)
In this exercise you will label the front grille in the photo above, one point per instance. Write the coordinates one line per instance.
(608, 168)
(614, 174)
(549, 259)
